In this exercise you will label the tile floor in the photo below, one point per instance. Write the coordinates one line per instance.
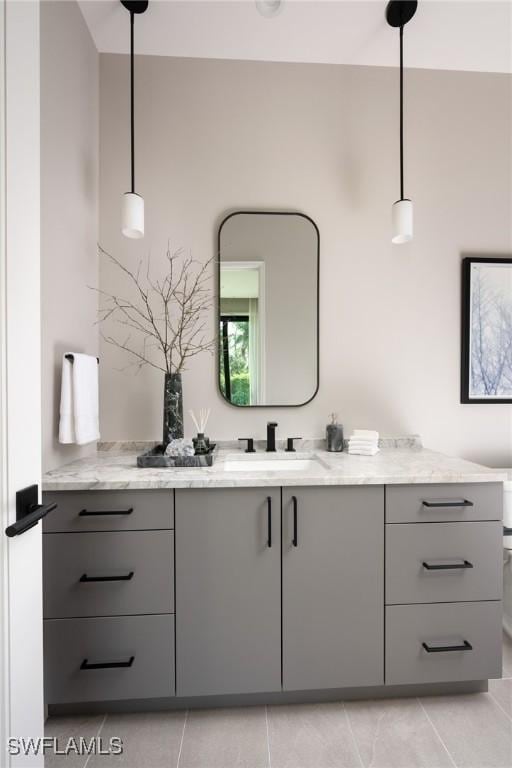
(473, 731)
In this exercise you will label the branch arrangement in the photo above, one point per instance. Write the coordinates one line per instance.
(168, 316)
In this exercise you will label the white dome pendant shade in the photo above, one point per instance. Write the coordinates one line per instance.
(269, 8)
(133, 215)
(398, 13)
(402, 215)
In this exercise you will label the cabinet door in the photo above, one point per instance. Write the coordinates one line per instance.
(333, 587)
(228, 600)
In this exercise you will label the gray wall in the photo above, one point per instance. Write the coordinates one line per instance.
(69, 206)
(213, 136)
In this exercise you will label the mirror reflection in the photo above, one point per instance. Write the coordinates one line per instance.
(268, 308)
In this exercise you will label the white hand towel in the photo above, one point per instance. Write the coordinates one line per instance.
(367, 434)
(363, 451)
(79, 411)
(363, 446)
(66, 426)
(361, 441)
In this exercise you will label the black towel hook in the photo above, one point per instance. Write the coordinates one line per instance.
(71, 358)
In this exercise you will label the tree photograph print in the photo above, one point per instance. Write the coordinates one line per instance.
(486, 330)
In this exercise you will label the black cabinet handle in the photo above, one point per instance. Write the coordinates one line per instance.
(295, 539)
(108, 664)
(269, 513)
(444, 648)
(440, 504)
(447, 566)
(507, 531)
(127, 577)
(90, 513)
(28, 521)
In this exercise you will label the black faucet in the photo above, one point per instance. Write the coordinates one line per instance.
(271, 436)
(250, 444)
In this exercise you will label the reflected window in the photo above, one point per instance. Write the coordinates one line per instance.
(242, 332)
(235, 371)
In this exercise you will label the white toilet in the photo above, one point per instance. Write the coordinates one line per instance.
(507, 556)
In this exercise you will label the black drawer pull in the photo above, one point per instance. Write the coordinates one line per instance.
(108, 664)
(447, 566)
(444, 648)
(91, 513)
(448, 504)
(269, 512)
(295, 539)
(507, 531)
(127, 577)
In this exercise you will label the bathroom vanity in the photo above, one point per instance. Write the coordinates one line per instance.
(353, 577)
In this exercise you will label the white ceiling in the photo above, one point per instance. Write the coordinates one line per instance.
(471, 35)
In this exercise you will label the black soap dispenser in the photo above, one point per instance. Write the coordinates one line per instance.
(334, 435)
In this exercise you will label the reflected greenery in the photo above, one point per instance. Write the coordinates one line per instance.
(234, 354)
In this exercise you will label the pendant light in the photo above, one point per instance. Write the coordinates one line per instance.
(269, 8)
(133, 204)
(398, 13)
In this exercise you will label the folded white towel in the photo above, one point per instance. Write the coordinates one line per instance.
(79, 407)
(367, 434)
(363, 451)
(361, 441)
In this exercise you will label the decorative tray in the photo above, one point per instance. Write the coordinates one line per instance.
(155, 457)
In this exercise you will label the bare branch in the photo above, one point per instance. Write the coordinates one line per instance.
(168, 315)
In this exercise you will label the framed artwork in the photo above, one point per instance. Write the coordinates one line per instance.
(486, 343)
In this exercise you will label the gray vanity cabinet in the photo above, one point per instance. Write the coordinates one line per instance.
(270, 590)
(333, 587)
(228, 598)
(108, 574)
(443, 582)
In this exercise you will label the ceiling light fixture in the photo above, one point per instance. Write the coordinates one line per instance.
(398, 13)
(269, 8)
(133, 204)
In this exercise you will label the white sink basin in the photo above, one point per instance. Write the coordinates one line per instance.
(273, 465)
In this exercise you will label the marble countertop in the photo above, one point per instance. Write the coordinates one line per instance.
(400, 460)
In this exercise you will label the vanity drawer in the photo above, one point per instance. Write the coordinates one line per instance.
(444, 503)
(445, 625)
(417, 557)
(136, 569)
(144, 645)
(109, 510)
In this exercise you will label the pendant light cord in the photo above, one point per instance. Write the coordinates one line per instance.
(132, 117)
(401, 112)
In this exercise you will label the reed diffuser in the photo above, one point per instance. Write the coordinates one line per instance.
(201, 443)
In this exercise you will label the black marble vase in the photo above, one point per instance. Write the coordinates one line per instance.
(173, 408)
